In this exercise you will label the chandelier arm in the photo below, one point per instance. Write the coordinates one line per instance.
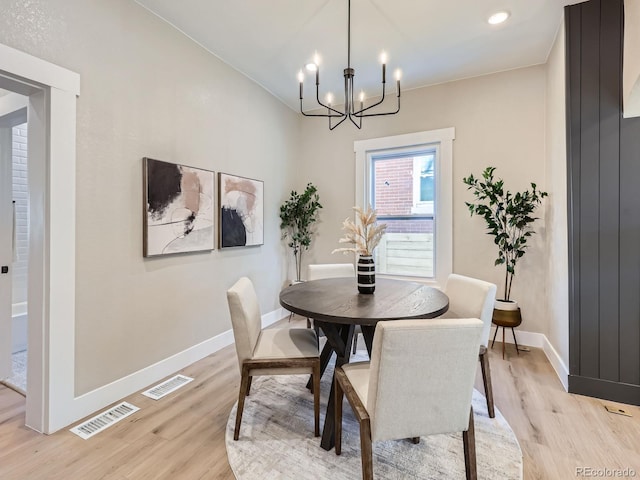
(321, 115)
(380, 114)
(343, 119)
(328, 107)
(359, 112)
(359, 124)
(318, 114)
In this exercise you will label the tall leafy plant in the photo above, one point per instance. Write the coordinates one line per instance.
(297, 216)
(509, 218)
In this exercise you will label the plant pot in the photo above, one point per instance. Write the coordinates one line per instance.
(366, 274)
(505, 305)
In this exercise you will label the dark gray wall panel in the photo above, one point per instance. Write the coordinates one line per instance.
(604, 204)
(609, 179)
(589, 189)
(573, 22)
(630, 250)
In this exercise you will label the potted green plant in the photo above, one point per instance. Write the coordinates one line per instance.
(509, 219)
(297, 216)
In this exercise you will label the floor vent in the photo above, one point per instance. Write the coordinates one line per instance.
(104, 420)
(166, 387)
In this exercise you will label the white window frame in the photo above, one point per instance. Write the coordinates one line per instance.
(443, 238)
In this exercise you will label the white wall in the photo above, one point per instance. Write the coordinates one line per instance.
(557, 274)
(150, 91)
(499, 121)
(21, 199)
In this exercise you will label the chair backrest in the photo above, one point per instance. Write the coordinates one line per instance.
(245, 317)
(471, 298)
(330, 270)
(421, 377)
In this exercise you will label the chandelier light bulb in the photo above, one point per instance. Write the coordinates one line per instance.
(301, 76)
(383, 57)
(361, 96)
(329, 98)
(397, 74)
(311, 67)
(316, 59)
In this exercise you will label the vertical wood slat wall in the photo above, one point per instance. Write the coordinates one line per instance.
(604, 208)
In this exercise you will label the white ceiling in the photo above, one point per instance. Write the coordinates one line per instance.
(432, 41)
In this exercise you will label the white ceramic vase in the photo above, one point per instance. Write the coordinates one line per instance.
(506, 305)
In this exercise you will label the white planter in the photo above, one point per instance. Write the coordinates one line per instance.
(504, 305)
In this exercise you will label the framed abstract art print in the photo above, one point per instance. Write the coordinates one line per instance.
(178, 208)
(241, 211)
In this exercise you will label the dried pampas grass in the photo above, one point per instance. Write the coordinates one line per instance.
(365, 235)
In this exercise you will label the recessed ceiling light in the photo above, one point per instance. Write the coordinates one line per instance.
(311, 67)
(498, 17)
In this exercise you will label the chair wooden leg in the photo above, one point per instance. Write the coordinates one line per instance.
(338, 414)
(244, 385)
(249, 386)
(365, 449)
(514, 340)
(469, 442)
(355, 343)
(486, 379)
(494, 336)
(503, 343)
(316, 397)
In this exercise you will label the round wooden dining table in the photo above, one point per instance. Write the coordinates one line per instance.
(337, 307)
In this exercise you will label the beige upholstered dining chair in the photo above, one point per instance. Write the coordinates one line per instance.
(284, 351)
(334, 270)
(419, 382)
(330, 270)
(470, 297)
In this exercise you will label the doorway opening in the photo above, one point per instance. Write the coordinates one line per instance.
(51, 93)
(14, 225)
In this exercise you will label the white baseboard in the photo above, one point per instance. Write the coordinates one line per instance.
(104, 396)
(537, 340)
(272, 317)
(556, 362)
(529, 339)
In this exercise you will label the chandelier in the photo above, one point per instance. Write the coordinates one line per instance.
(336, 117)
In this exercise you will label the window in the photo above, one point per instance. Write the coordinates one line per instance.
(407, 178)
(424, 183)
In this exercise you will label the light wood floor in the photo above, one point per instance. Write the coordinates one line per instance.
(182, 435)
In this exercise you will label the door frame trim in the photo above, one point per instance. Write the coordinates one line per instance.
(52, 92)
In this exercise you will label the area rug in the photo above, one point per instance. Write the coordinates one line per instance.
(277, 442)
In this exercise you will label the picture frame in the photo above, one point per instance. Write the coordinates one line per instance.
(178, 208)
(240, 211)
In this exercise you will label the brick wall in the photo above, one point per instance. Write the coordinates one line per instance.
(394, 186)
(394, 195)
(21, 197)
